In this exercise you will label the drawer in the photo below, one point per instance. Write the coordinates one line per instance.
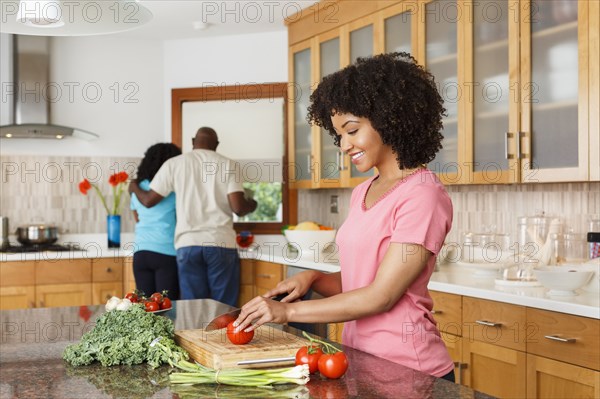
(447, 311)
(107, 269)
(17, 273)
(494, 323)
(72, 271)
(568, 338)
(267, 275)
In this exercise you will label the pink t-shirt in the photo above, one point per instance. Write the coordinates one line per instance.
(417, 210)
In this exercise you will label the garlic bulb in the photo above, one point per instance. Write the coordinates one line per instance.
(112, 303)
(124, 304)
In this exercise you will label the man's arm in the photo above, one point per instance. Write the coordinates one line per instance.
(147, 198)
(239, 204)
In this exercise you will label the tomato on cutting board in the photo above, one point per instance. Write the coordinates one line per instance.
(239, 338)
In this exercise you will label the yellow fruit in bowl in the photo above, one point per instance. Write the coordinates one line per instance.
(307, 226)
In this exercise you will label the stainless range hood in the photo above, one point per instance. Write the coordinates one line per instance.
(30, 104)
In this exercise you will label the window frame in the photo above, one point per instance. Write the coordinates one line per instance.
(289, 197)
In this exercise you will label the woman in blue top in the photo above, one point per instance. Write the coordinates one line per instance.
(154, 259)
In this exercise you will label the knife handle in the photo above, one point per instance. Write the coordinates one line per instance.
(279, 297)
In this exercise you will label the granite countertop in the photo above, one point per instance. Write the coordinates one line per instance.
(31, 365)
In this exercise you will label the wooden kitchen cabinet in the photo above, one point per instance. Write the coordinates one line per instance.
(128, 276)
(547, 378)
(51, 283)
(258, 277)
(58, 295)
(493, 322)
(17, 285)
(567, 338)
(544, 354)
(447, 311)
(493, 369)
(521, 88)
(107, 279)
(246, 281)
(267, 275)
(102, 292)
(17, 297)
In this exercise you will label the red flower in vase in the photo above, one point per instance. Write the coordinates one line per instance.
(117, 182)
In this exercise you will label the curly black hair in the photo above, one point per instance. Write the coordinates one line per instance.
(398, 97)
(153, 159)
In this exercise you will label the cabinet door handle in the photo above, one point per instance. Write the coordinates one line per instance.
(109, 270)
(31, 304)
(508, 136)
(488, 323)
(42, 304)
(264, 275)
(436, 312)
(560, 339)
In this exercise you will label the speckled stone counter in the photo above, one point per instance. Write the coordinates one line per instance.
(31, 365)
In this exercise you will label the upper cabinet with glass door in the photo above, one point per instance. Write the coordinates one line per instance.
(300, 169)
(555, 90)
(527, 108)
(441, 59)
(519, 79)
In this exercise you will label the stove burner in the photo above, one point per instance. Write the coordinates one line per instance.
(18, 249)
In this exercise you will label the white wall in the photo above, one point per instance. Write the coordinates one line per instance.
(225, 60)
(107, 85)
(152, 68)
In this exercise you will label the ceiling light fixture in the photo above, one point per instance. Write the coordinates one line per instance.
(71, 18)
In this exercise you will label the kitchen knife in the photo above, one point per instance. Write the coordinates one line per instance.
(222, 320)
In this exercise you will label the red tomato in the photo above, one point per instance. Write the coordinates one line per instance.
(333, 366)
(156, 297)
(151, 306)
(166, 303)
(239, 338)
(132, 297)
(309, 355)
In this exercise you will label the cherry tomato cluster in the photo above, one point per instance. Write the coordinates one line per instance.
(238, 338)
(323, 357)
(156, 301)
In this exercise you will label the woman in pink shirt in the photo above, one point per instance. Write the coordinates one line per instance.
(386, 113)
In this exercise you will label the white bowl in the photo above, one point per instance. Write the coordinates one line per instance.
(562, 280)
(310, 243)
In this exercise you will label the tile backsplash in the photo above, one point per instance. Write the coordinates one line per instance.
(479, 206)
(45, 189)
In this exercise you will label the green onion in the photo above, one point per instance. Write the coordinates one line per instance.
(198, 374)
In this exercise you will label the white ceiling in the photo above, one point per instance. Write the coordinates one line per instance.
(174, 19)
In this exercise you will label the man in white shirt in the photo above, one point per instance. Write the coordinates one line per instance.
(208, 188)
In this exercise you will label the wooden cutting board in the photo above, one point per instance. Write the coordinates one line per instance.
(213, 349)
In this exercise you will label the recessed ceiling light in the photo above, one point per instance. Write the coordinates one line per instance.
(8, 135)
(58, 136)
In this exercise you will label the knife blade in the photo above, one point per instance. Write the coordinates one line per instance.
(222, 320)
(271, 360)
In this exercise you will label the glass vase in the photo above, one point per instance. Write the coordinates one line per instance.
(113, 228)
